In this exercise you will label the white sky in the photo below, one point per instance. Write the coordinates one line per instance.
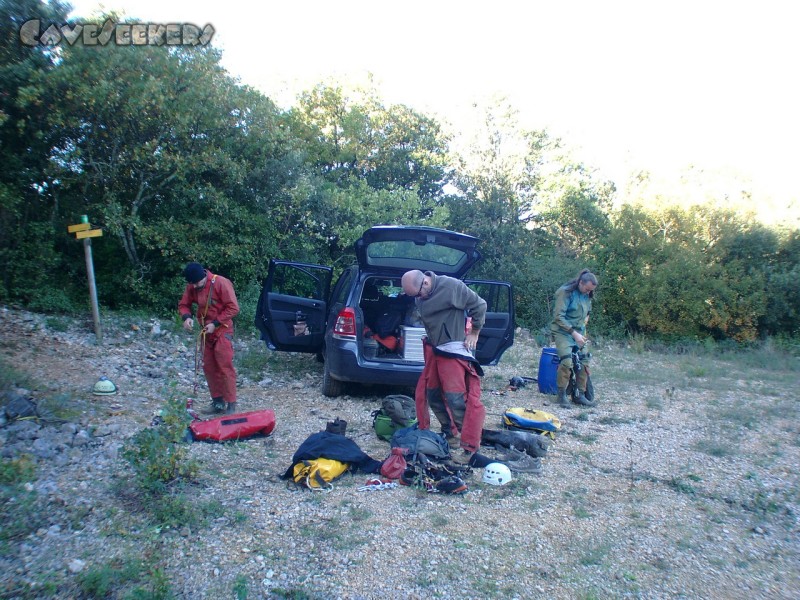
(627, 84)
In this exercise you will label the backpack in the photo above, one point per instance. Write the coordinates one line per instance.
(388, 322)
(397, 411)
(421, 441)
(318, 474)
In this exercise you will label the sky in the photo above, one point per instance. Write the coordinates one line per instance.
(628, 85)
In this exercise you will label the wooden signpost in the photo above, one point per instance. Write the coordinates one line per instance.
(83, 231)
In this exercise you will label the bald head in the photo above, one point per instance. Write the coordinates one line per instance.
(412, 282)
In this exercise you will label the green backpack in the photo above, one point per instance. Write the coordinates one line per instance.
(397, 411)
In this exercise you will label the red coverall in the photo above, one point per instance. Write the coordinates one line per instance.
(216, 302)
(461, 406)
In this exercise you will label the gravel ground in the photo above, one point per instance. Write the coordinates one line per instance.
(682, 483)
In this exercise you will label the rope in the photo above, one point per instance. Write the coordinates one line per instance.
(201, 336)
(322, 485)
(377, 484)
(199, 352)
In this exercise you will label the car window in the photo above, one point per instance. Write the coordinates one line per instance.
(339, 295)
(496, 296)
(407, 250)
(300, 281)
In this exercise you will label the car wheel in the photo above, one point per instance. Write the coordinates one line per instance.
(330, 386)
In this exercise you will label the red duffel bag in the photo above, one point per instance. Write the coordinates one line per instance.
(234, 427)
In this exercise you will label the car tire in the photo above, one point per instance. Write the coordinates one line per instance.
(330, 387)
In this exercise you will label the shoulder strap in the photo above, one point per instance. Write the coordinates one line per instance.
(208, 299)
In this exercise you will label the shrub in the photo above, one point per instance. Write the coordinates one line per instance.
(158, 454)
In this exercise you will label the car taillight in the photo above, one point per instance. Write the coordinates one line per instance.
(345, 323)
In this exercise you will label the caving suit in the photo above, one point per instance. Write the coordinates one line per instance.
(570, 313)
(450, 382)
(216, 303)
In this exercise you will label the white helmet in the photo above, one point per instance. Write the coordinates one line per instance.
(496, 474)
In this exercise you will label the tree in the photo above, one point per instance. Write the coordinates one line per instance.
(512, 193)
(30, 264)
(171, 157)
(353, 136)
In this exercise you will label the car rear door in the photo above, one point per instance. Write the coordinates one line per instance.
(292, 311)
(497, 334)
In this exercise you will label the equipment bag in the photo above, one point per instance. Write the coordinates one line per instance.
(317, 474)
(397, 411)
(395, 465)
(400, 409)
(528, 419)
(234, 427)
(384, 426)
(420, 441)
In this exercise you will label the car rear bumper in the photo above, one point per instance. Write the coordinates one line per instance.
(345, 364)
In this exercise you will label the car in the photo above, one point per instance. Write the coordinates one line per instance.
(365, 329)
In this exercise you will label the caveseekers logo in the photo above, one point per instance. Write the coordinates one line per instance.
(122, 34)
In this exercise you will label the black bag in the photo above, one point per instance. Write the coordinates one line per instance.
(388, 322)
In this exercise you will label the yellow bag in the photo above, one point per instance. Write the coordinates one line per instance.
(318, 474)
(528, 419)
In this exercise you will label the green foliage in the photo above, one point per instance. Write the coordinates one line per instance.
(21, 510)
(17, 471)
(678, 274)
(158, 454)
(128, 578)
(177, 161)
(240, 587)
(352, 136)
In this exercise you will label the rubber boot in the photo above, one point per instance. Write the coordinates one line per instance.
(563, 401)
(230, 409)
(582, 379)
(582, 399)
(217, 406)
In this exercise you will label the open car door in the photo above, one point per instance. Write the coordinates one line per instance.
(293, 308)
(497, 334)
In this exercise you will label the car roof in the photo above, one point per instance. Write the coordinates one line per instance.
(400, 248)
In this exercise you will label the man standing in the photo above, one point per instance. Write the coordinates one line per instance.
(216, 307)
(573, 303)
(450, 382)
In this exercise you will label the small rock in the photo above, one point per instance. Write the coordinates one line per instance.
(76, 565)
(69, 428)
(81, 438)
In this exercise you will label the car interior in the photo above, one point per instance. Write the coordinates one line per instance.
(390, 321)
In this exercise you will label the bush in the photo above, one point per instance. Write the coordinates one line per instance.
(158, 454)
